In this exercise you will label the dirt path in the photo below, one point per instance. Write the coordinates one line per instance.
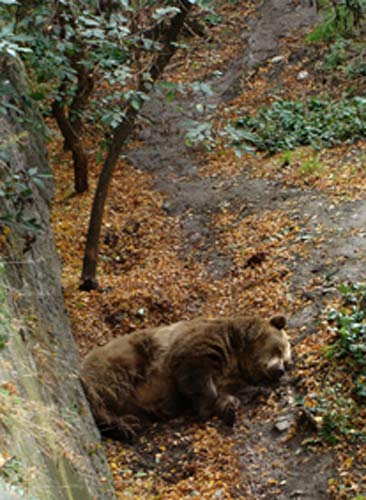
(175, 167)
(272, 464)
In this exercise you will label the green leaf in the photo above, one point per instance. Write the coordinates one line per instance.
(32, 171)
(159, 13)
(136, 103)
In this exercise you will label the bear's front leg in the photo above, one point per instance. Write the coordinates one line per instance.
(200, 390)
(226, 407)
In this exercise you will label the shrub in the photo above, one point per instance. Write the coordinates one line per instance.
(341, 19)
(288, 124)
(350, 328)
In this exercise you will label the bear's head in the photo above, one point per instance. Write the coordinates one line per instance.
(267, 351)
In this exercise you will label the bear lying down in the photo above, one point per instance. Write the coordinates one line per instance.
(162, 372)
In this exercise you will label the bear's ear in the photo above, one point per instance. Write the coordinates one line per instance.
(278, 321)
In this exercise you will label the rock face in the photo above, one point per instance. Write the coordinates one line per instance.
(49, 445)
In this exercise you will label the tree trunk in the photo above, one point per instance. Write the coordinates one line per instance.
(85, 85)
(89, 281)
(80, 159)
(70, 123)
(167, 37)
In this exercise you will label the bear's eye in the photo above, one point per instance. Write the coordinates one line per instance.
(276, 353)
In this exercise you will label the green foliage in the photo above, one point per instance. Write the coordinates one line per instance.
(350, 328)
(110, 46)
(72, 38)
(16, 193)
(324, 32)
(340, 20)
(12, 468)
(329, 30)
(287, 157)
(356, 68)
(346, 48)
(199, 133)
(338, 410)
(339, 416)
(213, 18)
(12, 43)
(337, 55)
(347, 56)
(9, 491)
(311, 166)
(4, 312)
(319, 122)
(8, 97)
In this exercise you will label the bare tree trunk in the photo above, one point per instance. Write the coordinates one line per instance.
(167, 36)
(80, 159)
(92, 244)
(70, 122)
(85, 85)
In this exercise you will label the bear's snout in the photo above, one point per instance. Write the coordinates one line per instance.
(277, 372)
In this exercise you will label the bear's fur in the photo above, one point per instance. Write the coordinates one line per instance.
(161, 372)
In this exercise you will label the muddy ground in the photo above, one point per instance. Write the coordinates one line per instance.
(341, 256)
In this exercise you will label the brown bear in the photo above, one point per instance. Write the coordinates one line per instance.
(190, 365)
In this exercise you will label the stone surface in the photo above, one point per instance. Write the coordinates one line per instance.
(48, 440)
